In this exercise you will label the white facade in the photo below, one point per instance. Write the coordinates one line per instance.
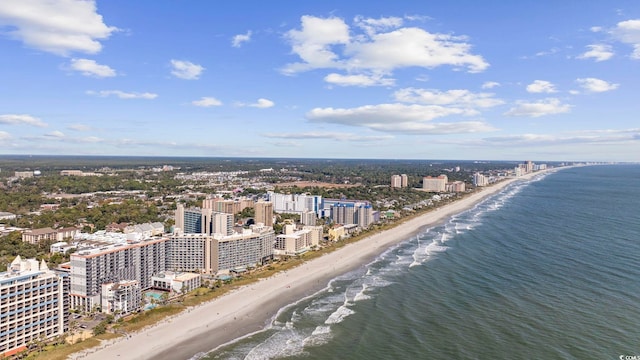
(122, 297)
(113, 263)
(177, 282)
(33, 305)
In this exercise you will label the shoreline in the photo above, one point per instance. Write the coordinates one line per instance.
(251, 308)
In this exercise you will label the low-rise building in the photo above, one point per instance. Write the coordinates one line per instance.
(179, 282)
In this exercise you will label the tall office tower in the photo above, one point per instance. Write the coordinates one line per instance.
(112, 263)
(404, 180)
(33, 305)
(264, 213)
(396, 181)
(434, 184)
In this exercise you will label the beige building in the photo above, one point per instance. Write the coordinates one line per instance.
(24, 174)
(337, 232)
(399, 181)
(177, 282)
(456, 186)
(33, 305)
(295, 242)
(480, 180)
(264, 213)
(432, 184)
(36, 235)
(216, 253)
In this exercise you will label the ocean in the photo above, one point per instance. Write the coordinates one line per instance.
(546, 269)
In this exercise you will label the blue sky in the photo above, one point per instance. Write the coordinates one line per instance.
(476, 80)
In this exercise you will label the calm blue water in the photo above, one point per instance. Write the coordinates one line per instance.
(547, 269)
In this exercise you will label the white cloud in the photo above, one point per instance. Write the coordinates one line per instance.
(79, 127)
(372, 26)
(90, 140)
(628, 32)
(60, 27)
(207, 102)
(123, 95)
(410, 119)
(608, 136)
(4, 135)
(55, 134)
(314, 41)
(263, 104)
(91, 68)
(461, 98)
(328, 43)
(598, 52)
(541, 86)
(361, 80)
(596, 85)
(327, 135)
(490, 84)
(186, 70)
(21, 119)
(237, 40)
(544, 107)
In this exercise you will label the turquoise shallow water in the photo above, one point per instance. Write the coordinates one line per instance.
(547, 269)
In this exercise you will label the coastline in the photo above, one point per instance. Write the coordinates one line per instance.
(250, 308)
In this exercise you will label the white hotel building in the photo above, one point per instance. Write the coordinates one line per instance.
(113, 263)
(33, 305)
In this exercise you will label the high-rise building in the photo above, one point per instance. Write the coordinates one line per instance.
(480, 180)
(294, 243)
(113, 263)
(456, 186)
(202, 221)
(295, 203)
(528, 166)
(214, 253)
(396, 181)
(264, 213)
(404, 180)
(187, 252)
(364, 215)
(434, 184)
(251, 247)
(343, 213)
(33, 305)
(122, 297)
(222, 223)
(308, 218)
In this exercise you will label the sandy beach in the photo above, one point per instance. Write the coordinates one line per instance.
(250, 308)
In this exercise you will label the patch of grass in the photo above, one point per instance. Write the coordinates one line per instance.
(149, 317)
(63, 351)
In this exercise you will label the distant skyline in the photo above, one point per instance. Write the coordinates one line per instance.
(491, 80)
